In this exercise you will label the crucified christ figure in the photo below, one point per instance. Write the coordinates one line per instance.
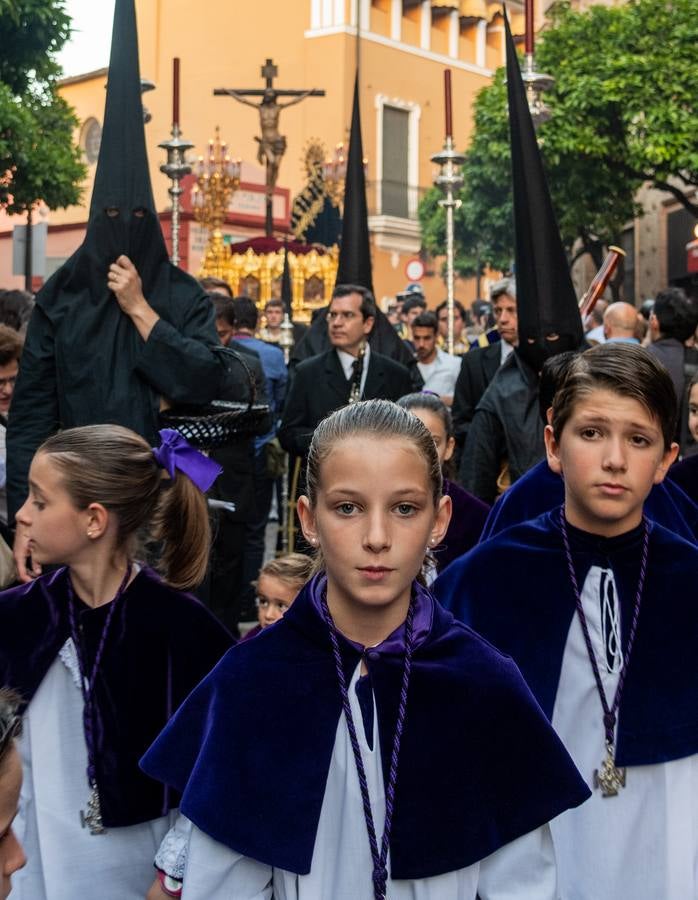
(272, 144)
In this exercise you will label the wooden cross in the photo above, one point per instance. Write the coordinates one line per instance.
(272, 144)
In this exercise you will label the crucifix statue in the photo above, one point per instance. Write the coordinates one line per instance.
(272, 144)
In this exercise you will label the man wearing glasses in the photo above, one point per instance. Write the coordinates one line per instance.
(349, 370)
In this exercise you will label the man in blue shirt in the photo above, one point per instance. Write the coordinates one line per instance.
(245, 315)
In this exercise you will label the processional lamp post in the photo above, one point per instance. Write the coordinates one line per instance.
(176, 166)
(536, 83)
(217, 179)
(449, 180)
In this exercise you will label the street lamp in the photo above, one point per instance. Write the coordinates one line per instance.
(536, 83)
(449, 180)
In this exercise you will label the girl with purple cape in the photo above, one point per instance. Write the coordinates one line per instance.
(367, 745)
(102, 651)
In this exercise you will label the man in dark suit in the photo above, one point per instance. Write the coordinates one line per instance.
(350, 368)
(479, 366)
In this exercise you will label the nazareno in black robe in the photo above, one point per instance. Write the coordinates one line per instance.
(84, 361)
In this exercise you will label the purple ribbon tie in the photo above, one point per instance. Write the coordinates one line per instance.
(176, 453)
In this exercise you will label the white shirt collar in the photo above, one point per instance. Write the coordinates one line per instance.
(346, 360)
(507, 348)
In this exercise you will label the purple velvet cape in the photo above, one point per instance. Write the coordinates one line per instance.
(161, 644)
(541, 490)
(464, 530)
(515, 590)
(250, 750)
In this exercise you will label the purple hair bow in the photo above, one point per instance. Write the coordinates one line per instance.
(176, 453)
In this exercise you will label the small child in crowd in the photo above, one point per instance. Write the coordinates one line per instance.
(367, 745)
(469, 513)
(596, 604)
(277, 586)
(103, 651)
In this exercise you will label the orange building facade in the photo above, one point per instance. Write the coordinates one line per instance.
(403, 47)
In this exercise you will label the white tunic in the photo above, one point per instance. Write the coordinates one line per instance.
(342, 865)
(65, 861)
(643, 843)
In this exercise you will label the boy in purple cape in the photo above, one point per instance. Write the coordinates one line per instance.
(595, 603)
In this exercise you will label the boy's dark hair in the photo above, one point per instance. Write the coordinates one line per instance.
(368, 301)
(275, 301)
(223, 307)
(245, 313)
(11, 345)
(426, 320)
(413, 301)
(625, 369)
(214, 285)
(457, 305)
(676, 314)
(552, 375)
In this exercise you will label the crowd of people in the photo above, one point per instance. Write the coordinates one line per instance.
(420, 628)
(108, 650)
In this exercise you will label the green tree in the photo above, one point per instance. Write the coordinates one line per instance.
(38, 157)
(623, 114)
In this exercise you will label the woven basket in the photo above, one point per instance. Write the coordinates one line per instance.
(220, 422)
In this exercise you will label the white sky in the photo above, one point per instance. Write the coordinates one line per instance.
(89, 46)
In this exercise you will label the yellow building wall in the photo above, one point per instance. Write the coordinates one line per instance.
(224, 44)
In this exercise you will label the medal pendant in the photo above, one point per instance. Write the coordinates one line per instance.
(609, 777)
(92, 817)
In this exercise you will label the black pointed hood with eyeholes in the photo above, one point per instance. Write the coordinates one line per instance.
(91, 351)
(122, 217)
(548, 315)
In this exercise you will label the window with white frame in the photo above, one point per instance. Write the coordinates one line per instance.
(398, 161)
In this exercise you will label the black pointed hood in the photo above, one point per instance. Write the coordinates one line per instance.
(545, 296)
(122, 180)
(355, 252)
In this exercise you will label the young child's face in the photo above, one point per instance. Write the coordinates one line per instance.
(55, 527)
(274, 597)
(693, 412)
(610, 453)
(434, 424)
(374, 519)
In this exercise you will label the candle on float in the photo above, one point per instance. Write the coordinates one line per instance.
(447, 91)
(175, 91)
(529, 38)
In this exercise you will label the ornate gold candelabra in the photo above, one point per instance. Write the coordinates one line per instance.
(334, 172)
(217, 179)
